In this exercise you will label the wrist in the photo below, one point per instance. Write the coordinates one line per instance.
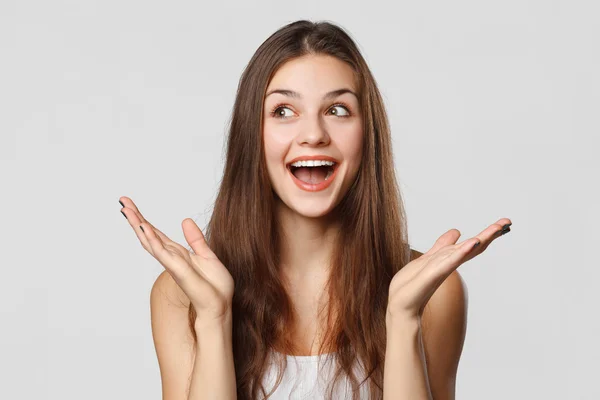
(398, 321)
(403, 332)
(211, 324)
(213, 338)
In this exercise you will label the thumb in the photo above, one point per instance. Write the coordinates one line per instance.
(448, 238)
(195, 238)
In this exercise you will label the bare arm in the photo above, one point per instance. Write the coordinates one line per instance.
(405, 372)
(444, 325)
(189, 371)
(214, 371)
(422, 356)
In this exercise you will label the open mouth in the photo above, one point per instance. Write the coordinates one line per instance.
(313, 178)
(312, 175)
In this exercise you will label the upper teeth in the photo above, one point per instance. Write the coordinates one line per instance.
(311, 163)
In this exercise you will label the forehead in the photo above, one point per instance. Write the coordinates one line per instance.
(314, 75)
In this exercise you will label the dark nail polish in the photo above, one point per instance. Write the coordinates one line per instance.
(142, 229)
(123, 214)
(505, 231)
(121, 203)
(506, 226)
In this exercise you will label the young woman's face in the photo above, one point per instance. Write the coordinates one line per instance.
(312, 119)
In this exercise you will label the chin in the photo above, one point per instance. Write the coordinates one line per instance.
(309, 208)
(312, 212)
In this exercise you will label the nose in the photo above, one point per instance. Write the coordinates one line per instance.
(313, 133)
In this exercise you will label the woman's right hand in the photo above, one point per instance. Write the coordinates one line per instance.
(200, 274)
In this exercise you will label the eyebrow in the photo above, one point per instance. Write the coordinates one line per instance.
(328, 96)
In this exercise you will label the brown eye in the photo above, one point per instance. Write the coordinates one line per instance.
(342, 107)
(277, 112)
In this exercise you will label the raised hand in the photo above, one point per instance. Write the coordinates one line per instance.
(412, 286)
(202, 277)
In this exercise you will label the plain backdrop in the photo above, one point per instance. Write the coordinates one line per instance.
(494, 112)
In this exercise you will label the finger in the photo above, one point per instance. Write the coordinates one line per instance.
(183, 273)
(459, 255)
(441, 266)
(445, 259)
(135, 223)
(160, 250)
(156, 245)
(504, 224)
(491, 233)
(411, 269)
(492, 230)
(414, 268)
(131, 205)
(195, 238)
(136, 218)
(128, 203)
(448, 238)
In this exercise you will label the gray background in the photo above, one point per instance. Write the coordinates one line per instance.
(494, 110)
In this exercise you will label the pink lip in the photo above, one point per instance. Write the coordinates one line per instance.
(314, 187)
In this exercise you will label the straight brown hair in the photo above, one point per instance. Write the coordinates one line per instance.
(371, 247)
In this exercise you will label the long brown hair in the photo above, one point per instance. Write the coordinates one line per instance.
(372, 244)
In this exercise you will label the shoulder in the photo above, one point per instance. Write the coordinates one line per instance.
(447, 307)
(166, 289)
(172, 336)
(169, 308)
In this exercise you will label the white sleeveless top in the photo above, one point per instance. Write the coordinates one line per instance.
(307, 378)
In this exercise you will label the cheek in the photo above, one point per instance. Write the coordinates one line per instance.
(352, 147)
(275, 150)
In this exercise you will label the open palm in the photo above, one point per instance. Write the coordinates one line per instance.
(412, 286)
(199, 273)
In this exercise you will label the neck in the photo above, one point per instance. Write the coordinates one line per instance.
(307, 243)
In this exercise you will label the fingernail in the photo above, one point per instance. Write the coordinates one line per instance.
(142, 229)
(504, 231)
(123, 214)
(506, 226)
(121, 203)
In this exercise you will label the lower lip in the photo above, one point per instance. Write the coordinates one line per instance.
(314, 187)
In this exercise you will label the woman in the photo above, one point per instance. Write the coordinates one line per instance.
(306, 252)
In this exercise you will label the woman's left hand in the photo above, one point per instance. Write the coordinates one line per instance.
(412, 286)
